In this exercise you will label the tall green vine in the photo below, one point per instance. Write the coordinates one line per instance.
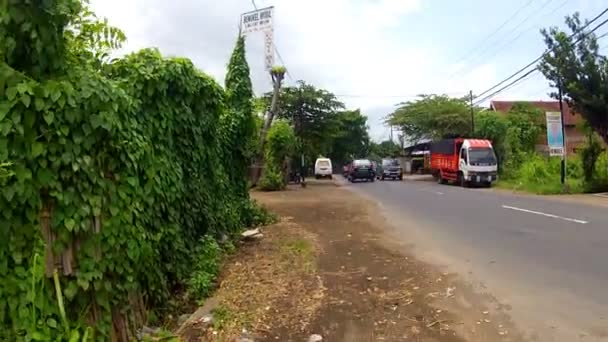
(116, 171)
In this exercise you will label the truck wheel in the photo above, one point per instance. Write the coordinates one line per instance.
(463, 182)
(440, 179)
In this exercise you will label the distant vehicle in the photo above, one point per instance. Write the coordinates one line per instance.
(464, 161)
(361, 169)
(391, 168)
(323, 168)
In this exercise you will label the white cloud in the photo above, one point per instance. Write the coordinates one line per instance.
(348, 47)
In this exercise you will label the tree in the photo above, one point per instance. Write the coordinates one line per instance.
(280, 146)
(277, 74)
(313, 112)
(493, 126)
(351, 138)
(432, 116)
(576, 64)
(526, 123)
(238, 122)
(387, 148)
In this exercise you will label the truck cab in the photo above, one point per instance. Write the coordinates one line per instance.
(464, 161)
(477, 162)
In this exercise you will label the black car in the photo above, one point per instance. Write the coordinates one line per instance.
(361, 169)
(391, 168)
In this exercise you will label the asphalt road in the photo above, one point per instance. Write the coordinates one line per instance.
(547, 259)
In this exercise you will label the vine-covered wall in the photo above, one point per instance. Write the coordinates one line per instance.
(117, 170)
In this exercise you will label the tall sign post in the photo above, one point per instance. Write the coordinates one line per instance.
(555, 139)
(561, 112)
(261, 21)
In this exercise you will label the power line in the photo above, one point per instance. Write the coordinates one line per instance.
(276, 50)
(498, 45)
(397, 96)
(546, 52)
(486, 38)
(520, 79)
(530, 72)
(501, 47)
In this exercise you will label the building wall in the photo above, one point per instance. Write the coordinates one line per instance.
(575, 140)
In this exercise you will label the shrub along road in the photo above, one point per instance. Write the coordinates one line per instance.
(543, 257)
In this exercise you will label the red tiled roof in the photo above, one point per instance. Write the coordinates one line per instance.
(570, 117)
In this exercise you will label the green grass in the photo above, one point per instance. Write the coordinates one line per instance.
(574, 186)
(221, 316)
(541, 175)
(302, 252)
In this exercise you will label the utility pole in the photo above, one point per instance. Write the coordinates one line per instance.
(301, 134)
(472, 114)
(561, 111)
(391, 133)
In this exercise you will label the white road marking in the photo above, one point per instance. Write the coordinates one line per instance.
(545, 214)
(603, 194)
(439, 193)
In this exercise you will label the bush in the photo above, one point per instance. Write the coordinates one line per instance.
(255, 215)
(272, 180)
(281, 142)
(541, 175)
(111, 173)
(589, 155)
(599, 183)
(207, 261)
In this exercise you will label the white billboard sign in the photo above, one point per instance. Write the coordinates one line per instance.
(258, 20)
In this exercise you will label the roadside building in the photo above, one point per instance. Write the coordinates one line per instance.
(416, 157)
(575, 135)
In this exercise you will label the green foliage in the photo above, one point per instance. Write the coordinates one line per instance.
(206, 268)
(589, 156)
(600, 180)
(128, 159)
(255, 215)
(526, 124)
(238, 125)
(577, 64)
(5, 170)
(493, 126)
(280, 143)
(541, 175)
(313, 113)
(513, 134)
(272, 180)
(351, 139)
(221, 316)
(433, 117)
(385, 149)
(278, 69)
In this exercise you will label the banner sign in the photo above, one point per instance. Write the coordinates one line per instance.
(555, 134)
(259, 20)
(268, 49)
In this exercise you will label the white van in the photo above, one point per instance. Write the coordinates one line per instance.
(323, 168)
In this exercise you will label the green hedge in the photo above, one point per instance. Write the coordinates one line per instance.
(117, 172)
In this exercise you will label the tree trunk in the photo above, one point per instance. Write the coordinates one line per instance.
(277, 79)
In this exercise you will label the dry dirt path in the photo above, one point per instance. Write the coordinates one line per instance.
(329, 268)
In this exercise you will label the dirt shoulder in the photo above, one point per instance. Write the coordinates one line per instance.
(329, 269)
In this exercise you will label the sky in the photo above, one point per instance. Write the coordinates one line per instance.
(373, 54)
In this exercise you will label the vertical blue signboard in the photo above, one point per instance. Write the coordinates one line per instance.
(555, 134)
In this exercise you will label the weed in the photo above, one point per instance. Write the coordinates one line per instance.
(300, 252)
(206, 268)
(221, 316)
(256, 215)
